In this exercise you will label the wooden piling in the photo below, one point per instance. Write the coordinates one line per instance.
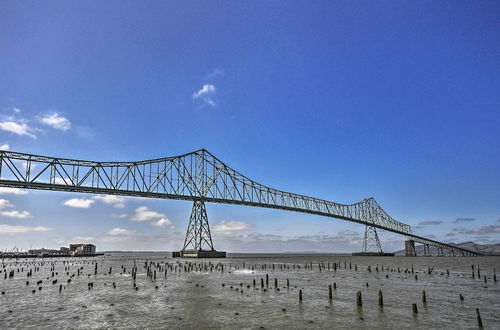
(330, 293)
(380, 298)
(424, 297)
(359, 301)
(415, 310)
(479, 321)
(300, 295)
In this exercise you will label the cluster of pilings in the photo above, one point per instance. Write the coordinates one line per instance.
(264, 277)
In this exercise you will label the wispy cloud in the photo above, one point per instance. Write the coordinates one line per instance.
(348, 233)
(230, 226)
(81, 203)
(4, 147)
(115, 201)
(430, 222)
(20, 128)
(16, 214)
(259, 242)
(214, 74)
(486, 230)
(458, 220)
(12, 191)
(120, 232)
(206, 94)
(459, 229)
(120, 216)
(55, 120)
(5, 204)
(8, 229)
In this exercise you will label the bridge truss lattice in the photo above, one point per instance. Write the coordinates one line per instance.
(198, 176)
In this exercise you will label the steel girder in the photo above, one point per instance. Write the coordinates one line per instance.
(195, 176)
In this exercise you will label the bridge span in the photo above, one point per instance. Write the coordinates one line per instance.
(199, 177)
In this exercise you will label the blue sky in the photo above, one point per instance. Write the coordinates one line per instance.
(340, 100)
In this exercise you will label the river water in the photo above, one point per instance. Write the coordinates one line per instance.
(219, 293)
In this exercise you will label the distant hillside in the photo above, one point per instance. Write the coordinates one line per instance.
(481, 248)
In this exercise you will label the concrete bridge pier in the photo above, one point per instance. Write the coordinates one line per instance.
(410, 248)
(427, 250)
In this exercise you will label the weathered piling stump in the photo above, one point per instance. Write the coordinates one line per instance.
(424, 297)
(380, 298)
(479, 321)
(330, 293)
(415, 310)
(359, 300)
(300, 295)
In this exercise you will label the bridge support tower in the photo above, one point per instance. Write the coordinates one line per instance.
(198, 242)
(371, 244)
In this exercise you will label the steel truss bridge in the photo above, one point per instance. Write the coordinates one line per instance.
(199, 177)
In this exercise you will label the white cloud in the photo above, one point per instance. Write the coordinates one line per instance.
(144, 214)
(163, 222)
(228, 227)
(120, 232)
(12, 191)
(16, 110)
(56, 121)
(19, 129)
(16, 214)
(4, 147)
(62, 181)
(120, 216)
(206, 93)
(7, 229)
(79, 203)
(116, 201)
(4, 204)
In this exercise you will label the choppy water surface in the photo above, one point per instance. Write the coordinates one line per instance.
(200, 296)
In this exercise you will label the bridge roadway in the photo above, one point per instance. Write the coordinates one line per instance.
(196, 176)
